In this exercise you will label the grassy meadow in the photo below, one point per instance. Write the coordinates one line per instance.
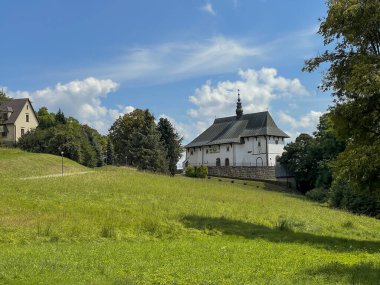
(122, 226)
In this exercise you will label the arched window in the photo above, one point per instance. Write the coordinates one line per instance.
(226, 162)
(259, 161)
(218, 161)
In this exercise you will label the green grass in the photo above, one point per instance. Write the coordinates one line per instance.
(17, 163)
(121, 226)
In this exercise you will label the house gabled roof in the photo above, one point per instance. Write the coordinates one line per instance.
(231, 129)
(15, 106)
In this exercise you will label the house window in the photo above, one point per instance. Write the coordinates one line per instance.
(27, 107)
(218, 162)
(3, 134)
(27, 118)
(22, 132)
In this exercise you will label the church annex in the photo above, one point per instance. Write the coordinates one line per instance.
(242, 140)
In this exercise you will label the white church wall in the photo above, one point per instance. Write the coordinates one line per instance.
(223, 152)
(250, 153)
(275, 149)
(194, 156)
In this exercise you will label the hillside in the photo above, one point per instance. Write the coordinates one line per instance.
(17, 163)
(121, 226)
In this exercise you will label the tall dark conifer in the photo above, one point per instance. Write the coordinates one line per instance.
(172, 143)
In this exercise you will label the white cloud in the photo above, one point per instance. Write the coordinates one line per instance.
(81, 99)
(258, 88)
(178, 60)
(209, 9)
(308, 121)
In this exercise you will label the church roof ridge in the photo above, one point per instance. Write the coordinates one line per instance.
(230, 129)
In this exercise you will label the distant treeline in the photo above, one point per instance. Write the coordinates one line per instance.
(134, 139)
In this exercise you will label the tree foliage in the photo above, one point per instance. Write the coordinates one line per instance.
(136, 139)
(309, 158)
(172, 143)
(351, 30)
(3, 97)
(78, 142)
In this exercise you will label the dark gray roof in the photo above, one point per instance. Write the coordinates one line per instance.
(231, 129)
(15, 106)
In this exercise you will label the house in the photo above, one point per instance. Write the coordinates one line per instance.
(242, 140)
(17, 117)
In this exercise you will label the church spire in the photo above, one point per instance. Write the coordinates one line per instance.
(239, 108)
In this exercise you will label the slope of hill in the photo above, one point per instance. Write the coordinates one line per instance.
(17, 163)
(121, 226)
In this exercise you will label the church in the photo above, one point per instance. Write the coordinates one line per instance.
(242, 140)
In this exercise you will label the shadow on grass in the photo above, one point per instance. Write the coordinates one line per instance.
(364, 273)
(254, 231)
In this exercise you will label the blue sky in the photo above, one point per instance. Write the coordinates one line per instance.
(181, 59)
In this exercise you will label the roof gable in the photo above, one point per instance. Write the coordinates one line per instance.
(16, 106)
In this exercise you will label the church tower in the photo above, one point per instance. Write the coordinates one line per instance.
(239, 108)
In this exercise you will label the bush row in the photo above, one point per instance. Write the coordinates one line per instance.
(341, 196)
(200, 171)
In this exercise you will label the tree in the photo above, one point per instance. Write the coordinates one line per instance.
(3, 97)
(45, 119)
(301, 158)
(352, 28)
(78, 142)
(135, 137)
(310, 158)
(172, 143)
(60, 117)
(110, 152)
(329, 147)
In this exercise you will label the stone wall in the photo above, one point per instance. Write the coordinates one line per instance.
(244, 172)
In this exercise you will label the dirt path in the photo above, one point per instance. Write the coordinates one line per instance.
(56, 175)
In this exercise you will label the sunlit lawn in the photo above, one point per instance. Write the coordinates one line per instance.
(121, 226)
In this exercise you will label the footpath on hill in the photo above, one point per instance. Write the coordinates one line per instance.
(56, 175)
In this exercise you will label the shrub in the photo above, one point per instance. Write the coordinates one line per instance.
(200, 171)
(190, 171)
(284, 224)
(317, 194)
(343, 197)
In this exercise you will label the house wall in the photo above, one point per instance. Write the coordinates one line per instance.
(10, 138)
(253, 152)
(14, 130)
(21, 122)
